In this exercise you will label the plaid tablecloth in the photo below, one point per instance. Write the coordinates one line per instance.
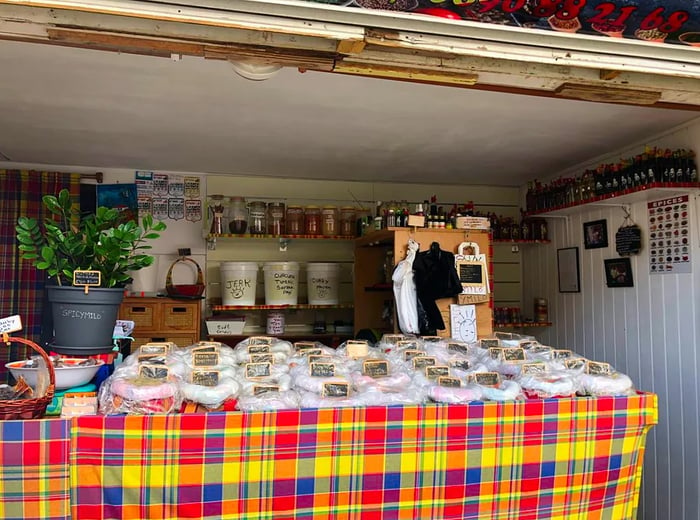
(34, 471)
(553, 459)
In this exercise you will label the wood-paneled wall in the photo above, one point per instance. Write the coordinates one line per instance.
(650, 331)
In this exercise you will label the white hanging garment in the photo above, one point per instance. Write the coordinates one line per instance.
(405, 291)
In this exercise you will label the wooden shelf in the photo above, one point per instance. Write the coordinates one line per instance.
(227, 236)
(523, 325)
(220, 308)
(519, 241)
(331, 339)
(638, 194)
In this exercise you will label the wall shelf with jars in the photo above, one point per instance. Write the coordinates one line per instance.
(629, 180)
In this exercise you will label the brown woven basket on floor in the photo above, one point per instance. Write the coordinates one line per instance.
(29, 408)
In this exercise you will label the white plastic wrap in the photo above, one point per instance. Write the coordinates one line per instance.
(405, 294)
(549, 384)
(464, 394)
(282, 400)
(616, 383)
(314, 400)
(506, 391)
(138, 396)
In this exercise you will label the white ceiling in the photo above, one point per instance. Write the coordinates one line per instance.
(67, 106)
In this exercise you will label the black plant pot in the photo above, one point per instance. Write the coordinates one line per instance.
(83, 323)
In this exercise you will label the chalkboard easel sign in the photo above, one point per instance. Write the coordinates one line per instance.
(87, 279)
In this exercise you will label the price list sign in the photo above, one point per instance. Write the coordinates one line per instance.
(669, 235)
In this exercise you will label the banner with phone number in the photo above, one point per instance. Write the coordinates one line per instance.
(671, 21)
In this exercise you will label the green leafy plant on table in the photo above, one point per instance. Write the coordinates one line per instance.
(100, 242)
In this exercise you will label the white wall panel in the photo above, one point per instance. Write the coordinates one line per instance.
(649, 331)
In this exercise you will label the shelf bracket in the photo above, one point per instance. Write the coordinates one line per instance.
(284, 244)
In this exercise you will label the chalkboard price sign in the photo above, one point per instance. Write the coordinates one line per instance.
(628, 240)
(87, 278)
(471, 273)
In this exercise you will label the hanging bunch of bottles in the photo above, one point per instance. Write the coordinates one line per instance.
(655, 167)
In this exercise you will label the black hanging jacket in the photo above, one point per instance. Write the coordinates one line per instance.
(436, 277)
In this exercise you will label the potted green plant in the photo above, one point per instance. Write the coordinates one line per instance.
(84, 317)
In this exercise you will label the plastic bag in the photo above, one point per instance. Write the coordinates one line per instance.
(405, 291)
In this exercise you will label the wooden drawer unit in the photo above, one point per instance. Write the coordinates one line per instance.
(162, 319)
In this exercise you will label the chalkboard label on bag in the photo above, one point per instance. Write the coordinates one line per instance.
(153, 372)
(322, 369)
(258, 349)
(264, 389)
(436, 371)
(487, 378)
(205, 359)
(513, 354)
(459, 348)
(462, 364)
(261, 358)
(257, 370)
(423, 361)
(536, 368)
(335, 390)
(411, 353)
(87, 278)
(449, 381)
(205, 377)
(628, 240)
(471, 273)
(375, 368)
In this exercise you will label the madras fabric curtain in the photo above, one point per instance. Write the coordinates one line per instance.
(21, 284)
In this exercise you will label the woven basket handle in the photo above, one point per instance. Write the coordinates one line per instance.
(42, 353)
(169, 277)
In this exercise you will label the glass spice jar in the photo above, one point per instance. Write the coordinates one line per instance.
(294, 224)
(312, 220)
(348, 226)
(275, 218)
(329, 221)
(257, 212)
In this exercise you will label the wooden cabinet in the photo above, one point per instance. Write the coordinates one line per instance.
(162, 319)
(374, 297)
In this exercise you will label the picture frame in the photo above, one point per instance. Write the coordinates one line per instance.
(595, 234)
(618, 272)
(568, 270)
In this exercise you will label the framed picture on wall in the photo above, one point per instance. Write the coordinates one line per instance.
(568, 269)
(595, 234)
(618, 272)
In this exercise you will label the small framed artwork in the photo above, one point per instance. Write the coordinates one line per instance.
(618, 272)
(595, 234)
(568, 269)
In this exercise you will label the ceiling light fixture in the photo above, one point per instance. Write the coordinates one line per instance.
(254, 70)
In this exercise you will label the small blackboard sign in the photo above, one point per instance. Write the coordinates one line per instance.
(422, 362)
(320, 359)
(205, 377)
(407, 343)
(575, 364)
(449, 381)
(260, 340)
(530, 369)
(375, 368)
(471, 273)
(411, 353)
(513, 354)
(598, 369)
(87, 278)
(153, 350)
(487, 378)
(462, 364)
(561, 354)
(495, 352)
(459, 348)
(153, 359)
(335, 390)
(488, 343)
(149, 371)
(628, 240)
(311, 352)
(264, 389)
(258, 349)
(304, 345)
(322, 369)
(393, 339)
(257, 370)
(261, 358)
(436, 371)
(205, 359)
(206, 348)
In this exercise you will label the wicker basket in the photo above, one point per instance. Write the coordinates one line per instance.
(191, 291)
(29, 408)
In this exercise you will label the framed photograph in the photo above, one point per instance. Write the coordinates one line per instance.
(595, 234)
(618, 272)
(568, 269)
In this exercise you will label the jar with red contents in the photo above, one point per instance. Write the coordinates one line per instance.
(312, 220)
(348, 225)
